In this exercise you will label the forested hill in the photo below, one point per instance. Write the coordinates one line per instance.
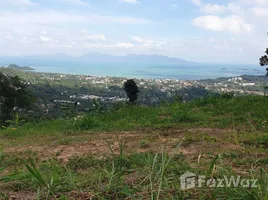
(50, 89)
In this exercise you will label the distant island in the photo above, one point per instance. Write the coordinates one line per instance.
(20, 68)
(63, 60)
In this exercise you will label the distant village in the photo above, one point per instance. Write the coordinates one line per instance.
(69, 88)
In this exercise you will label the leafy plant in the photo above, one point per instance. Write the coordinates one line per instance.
(178, 98)
(120, 160)
(70, 109)
(144, 144)
(112, 177)
(96, 105)
(158, 174)
(121, 143)
(43, 182)
(15, 123)
(227, 95)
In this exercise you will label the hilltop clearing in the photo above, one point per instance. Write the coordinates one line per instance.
(139, 152)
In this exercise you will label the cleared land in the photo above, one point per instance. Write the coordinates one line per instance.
(136, 152)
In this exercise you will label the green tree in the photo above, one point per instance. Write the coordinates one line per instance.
(132, 90)
(264, 61)
(13, 94)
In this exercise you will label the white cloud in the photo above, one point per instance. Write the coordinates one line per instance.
(49, 31)
(233, 23)
(209, 8)
(56, 17)
(260, 11)
(78, 2)
(95, 37)
(19, 2)
(45, 39)
(73, 31)
(234, 8)
(131, 1)
(197, 2)
(8, 37)
(94, 46)
(137, 39)
(254, 2)
(125, 45)
(213, 8)
(144, 42)
(262, 2)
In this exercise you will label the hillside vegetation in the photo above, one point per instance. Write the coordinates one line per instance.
(139, 152)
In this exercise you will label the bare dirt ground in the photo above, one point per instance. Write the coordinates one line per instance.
(195, 144)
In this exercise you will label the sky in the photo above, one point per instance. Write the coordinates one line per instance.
(214, 31)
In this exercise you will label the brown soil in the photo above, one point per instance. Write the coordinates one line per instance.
(96, 144)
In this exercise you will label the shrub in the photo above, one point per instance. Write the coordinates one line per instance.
(86, 123)
(227, 95)
(207, 100)
(184, 116)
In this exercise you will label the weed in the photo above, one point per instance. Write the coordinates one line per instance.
(144, 144)
(47, 183)
(149, 175)
(3, 196)
(227, 95)
(158, 176)
(65, 141)
(184, 116)
(15, 123)
(86, 123)
(82, 162)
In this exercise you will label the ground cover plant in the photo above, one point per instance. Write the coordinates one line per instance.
(140, 152)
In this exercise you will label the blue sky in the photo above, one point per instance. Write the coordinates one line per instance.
(222, 31)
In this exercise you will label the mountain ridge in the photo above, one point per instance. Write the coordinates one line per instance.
(92, 58)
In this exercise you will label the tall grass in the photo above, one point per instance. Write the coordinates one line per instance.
(212, 111)
(47, 182)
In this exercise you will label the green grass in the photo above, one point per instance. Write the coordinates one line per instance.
(145, 176)
(248, 112)
(232, 134)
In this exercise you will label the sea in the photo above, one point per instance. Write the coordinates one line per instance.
(191, 71)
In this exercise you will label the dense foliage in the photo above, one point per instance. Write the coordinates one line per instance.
(14, 95)
(264, 60)
(132, 90)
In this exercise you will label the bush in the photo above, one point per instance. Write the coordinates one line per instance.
(207, 100)
(227, 95)
(86, 123)
(184, 116)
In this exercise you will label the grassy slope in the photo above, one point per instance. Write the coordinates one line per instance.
(111, 155)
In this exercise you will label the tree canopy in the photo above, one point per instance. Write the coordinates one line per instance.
(14, 94)
(132, 90)
(264, 61)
